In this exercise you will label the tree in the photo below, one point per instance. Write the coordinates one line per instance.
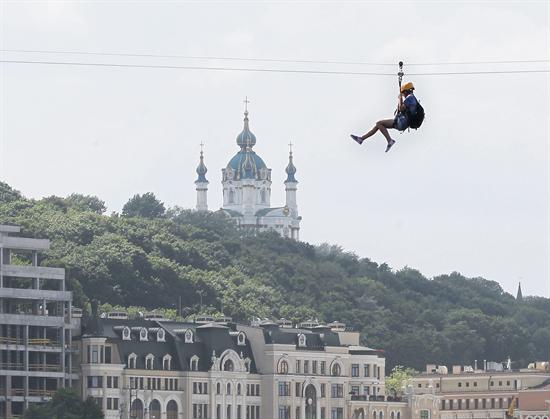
(65, 404)
(8, 194)
(398, 379)
(87, 203)
(146, 205)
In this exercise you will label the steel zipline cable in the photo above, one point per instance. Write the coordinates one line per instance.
(266, 70)
(256, 59)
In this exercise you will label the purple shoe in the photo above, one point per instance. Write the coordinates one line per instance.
(390, 144)
(357, 139)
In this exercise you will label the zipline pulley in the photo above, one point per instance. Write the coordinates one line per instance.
(400, 74)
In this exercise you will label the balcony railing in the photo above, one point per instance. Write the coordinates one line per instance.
(10, 341)
(44, 342)
(41, 393)
(45, 367)
(11, 365)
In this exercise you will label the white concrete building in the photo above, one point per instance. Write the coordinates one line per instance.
(221, 370)
(35, 325)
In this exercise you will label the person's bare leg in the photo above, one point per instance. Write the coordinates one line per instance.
(381, 126)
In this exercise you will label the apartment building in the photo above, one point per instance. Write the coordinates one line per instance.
(471, 393)
(217, 369)
(35, 325)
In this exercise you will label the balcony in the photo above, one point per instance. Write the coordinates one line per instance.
(45, 367)
(15, 366)
(28, 271)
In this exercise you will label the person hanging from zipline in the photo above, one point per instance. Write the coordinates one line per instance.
(409, 114)
(406, 110)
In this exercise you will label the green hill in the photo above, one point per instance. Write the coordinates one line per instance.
(153, 258)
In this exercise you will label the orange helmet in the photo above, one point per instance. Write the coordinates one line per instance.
(407, 86)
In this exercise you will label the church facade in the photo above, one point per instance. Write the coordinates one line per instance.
(246, 184)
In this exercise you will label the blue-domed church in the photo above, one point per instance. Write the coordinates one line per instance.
(246, 184)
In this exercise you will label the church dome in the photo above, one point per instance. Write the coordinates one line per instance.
(246, 138)
(246, 164)
(290, 170)
(201, 170)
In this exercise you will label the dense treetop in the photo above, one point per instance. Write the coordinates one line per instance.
(152, 257)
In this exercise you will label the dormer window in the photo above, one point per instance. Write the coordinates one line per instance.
(166, 363)
(241, 339)
(132, 361)
(228, 365)
(301, 340)
(143, 334)
(194, 364)
(126, 333)
(149, 362)
(188, 336)
(161, 336)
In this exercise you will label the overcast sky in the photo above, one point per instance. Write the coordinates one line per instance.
(469, 191)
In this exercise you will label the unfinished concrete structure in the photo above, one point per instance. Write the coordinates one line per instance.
(35, 325)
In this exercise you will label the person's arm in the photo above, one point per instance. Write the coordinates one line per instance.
(401, 105)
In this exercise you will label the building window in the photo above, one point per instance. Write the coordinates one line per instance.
(166, 361)
(112, 403)
(301, 340)
(298, 366)
(314, 367)
(95, 381)
(306, 367)
(297, 389)
(241, 339)
(143, 334)
(323, 390)
(107, 354)
(323, 367)
(283, 367)
(366, 368)
(337, 413)
(126, 333)
(355, 370)
(228, 365)
(284, 388)
(218, 388)
(337, 391)
(284, 412)
(112, 382)
(160, 335)
(188, 336)
(336, 370)
(239, 389)
(95, 354)
(228, 389)
(132, 361)
(424, 414)
(149, 362)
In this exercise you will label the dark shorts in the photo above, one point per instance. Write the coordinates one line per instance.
(400, 122)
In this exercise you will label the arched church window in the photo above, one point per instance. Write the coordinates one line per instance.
(231, 196)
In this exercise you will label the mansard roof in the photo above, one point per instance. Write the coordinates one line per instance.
(207, 340)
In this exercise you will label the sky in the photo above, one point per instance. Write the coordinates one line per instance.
(468, 192)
